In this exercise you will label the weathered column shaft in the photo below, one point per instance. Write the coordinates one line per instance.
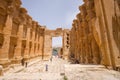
(4, 54)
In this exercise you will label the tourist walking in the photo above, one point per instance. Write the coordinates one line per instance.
(46, 67)
(51, 59)
(26, 64)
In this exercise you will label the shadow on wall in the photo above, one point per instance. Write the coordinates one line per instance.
(116, 32)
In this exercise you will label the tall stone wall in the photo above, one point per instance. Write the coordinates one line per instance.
(66, 43)
(21, 38)
(94, 37)
(47, 45)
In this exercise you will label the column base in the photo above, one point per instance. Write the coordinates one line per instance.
(5, 63)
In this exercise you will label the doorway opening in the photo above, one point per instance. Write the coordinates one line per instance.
(57, 46)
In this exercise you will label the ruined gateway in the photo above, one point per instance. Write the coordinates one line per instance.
(93, 39)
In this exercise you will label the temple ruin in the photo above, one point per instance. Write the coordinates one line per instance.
(21, 38)
(95, 33)
(93, 39)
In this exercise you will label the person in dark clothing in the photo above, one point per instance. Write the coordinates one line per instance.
(51, 59)
(46, 67)
(22, 61)
(26, 64)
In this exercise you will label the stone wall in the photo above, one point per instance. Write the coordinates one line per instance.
(21, 38)
(48, 42)
(66, 43)
(95, 34)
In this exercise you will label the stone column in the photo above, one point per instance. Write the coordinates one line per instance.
(17, 54)
(41, 45)
(47, 46)
(32, 49)
(35, 49)
(27, 54)
(4, 54)
(36, 53)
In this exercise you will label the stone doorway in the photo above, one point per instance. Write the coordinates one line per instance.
(49, 34)
(57, 43)
(13, 44)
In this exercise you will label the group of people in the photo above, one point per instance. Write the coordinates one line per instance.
(24, 63)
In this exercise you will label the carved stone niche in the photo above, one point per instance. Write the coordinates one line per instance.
(30, 46)
(15, 26)
(23, 47)
(2, 23)
(1, 40)
(24, 31)
(3, 11)
(3, 16)
(13, 40)
(24, 43)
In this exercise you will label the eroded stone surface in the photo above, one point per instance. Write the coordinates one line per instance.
(93, 39)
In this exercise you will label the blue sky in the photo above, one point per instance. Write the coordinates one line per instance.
(57, 42)
(53, 13)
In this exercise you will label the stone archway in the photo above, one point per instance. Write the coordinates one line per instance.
(48, 42)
